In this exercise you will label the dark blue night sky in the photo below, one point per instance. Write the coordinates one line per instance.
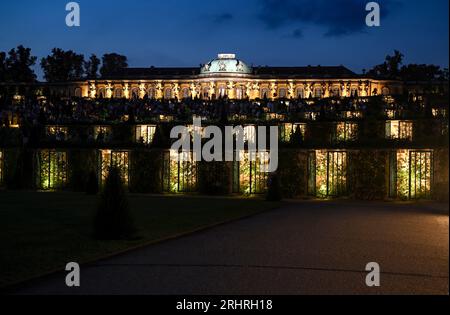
(261, 32)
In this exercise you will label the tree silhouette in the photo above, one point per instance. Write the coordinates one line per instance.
(113, 64)
(91, 67)
(62, 66)
(18, 65)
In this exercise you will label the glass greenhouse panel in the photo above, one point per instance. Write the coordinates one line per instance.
(180, 176)
(248, 174)
(145, 134)
(399, 130)
(411, 174)
(52, 170)
(346, 131)
(119, 159)
(287, 130)
(327, 173)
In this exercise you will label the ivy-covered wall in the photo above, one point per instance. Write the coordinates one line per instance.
(146, 171)
(215, 178)
(81, 162)
(293, 173)
(368, 174)
(441, 172)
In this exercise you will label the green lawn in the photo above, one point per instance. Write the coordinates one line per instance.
(41, 232)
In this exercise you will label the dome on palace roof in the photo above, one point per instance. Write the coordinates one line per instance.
(226, 64)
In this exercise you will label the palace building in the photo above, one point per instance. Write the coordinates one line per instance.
(229, 76)
(341, 135)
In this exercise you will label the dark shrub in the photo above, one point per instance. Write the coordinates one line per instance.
(274, 190)
(113, 220)
(297, 137)
(92, 184)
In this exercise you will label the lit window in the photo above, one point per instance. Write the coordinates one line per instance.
(327, 173)
(101, 93)
(265, 93)
(52, 172)
(118, 93)
(240, 93)
(119, 159)
(318, 92)
(250, 134)
(151, 93)
(168, 93)
(222, 91)
(205, 93)
(411, 174)
(336, 91)
(135, 93)
(185, 93)
(145, 134)
(289, 129)
(399, 130)
(57, 133)
(282, 93)
(249, 174)
(180, 172)
(346, 131)
(102, 133)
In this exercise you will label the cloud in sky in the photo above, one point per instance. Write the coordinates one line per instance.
(337, 17)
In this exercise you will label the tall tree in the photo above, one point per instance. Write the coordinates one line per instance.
(2, 66)
(91, 67)
(390, 68)
(112, 64)
(394, 62)
(62, 66)
(18, 65)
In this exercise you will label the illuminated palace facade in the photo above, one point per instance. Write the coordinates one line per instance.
(335, 146)
(228, 76)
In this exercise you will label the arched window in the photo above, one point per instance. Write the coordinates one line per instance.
(318, 92)
(265, 93)
(101, 93)
(77, 92)
(240, 93)
(282, 93)
(222, 90)
(151, 93)
(300, 93)
(354, 91)
(336, 91)
(168, 93)
(135, 93)
(118, 93)
(205, 93)
(386, 91)
(185, 93)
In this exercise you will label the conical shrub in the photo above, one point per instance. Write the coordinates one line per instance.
(113, 220)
